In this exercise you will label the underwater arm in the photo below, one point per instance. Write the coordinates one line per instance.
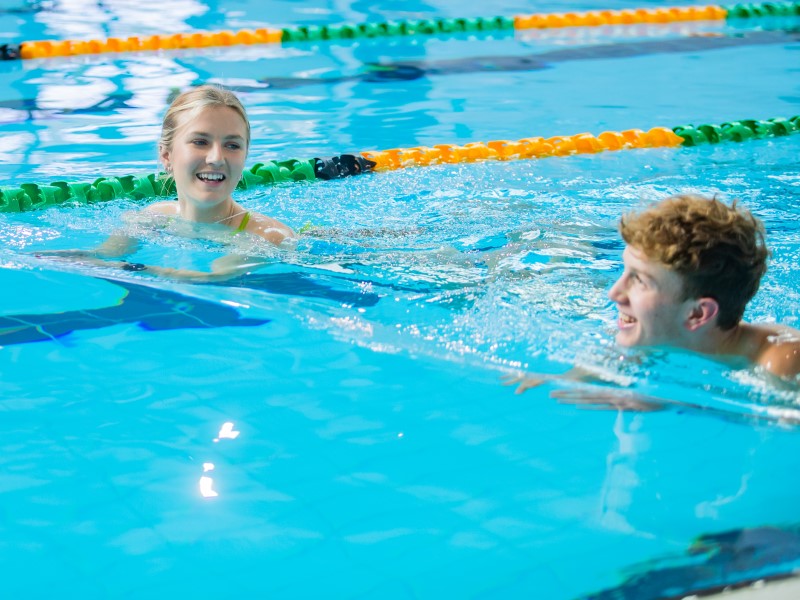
(116, 246)
(597, 398)
(610, 399)
(626, 400)
(526, 381)
(591, 397)
(225, 267)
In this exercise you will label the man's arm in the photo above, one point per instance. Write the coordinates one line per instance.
(581, 373)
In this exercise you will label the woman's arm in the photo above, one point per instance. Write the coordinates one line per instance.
(225, 267)
(116, 246)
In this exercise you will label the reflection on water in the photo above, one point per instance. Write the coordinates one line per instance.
(621, 477)
(226, 432)
(207, 483)
(75, 19)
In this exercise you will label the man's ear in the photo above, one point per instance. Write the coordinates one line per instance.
(703, 312)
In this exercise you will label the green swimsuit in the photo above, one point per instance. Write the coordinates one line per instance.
(243, 225)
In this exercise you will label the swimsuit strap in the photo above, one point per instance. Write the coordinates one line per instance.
(243, 225)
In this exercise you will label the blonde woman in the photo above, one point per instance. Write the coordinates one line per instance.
(204, 141)
(205, 137)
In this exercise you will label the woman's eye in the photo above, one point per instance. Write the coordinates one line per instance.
(199, 142)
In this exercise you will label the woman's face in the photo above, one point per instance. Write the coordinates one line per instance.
(207, 156)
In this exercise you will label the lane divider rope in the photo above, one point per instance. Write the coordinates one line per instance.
(32, 196)
(584, 143)
(592, 18)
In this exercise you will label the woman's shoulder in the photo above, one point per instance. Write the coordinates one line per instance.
(157, 213)
(166, 207)
(268, 228)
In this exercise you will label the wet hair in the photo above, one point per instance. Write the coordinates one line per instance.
(719, 250)
(187, 104)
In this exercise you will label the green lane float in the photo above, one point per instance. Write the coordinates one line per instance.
(316, 33)
(32, 196)
(737, 131)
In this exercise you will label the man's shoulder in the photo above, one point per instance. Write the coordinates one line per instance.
(778, 348)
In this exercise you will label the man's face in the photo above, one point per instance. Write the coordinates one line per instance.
(649, 300)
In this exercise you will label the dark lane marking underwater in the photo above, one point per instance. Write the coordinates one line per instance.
(30, 108)
(299, 284)
(713, 562)
(155, 309)
(29, 7)
(410, 70)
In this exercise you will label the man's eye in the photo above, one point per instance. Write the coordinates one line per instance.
(234, 146)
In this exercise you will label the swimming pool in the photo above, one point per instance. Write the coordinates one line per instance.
(334, 424)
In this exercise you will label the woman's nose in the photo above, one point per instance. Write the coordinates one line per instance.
(214, 155)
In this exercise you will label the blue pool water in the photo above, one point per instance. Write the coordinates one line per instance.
(334, 425)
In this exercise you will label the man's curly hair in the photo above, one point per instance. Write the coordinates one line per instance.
(718, 249)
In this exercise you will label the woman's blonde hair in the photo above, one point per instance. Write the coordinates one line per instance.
(192, 101)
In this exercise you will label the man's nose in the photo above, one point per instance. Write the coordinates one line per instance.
(617, 291)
